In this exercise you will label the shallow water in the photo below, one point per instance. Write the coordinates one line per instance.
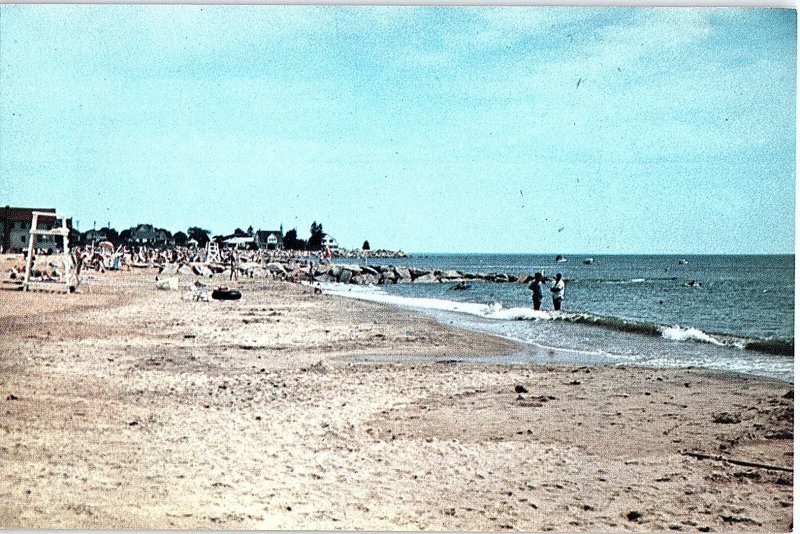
(623, 309)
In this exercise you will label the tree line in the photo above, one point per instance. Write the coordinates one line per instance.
(291, 240)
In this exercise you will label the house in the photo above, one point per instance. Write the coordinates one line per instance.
(270, 239)
(15, 225)
(329, 241)
(145, 234)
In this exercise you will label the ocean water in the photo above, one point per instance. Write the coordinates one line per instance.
(621, 309)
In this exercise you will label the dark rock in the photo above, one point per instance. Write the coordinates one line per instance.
(519, 388)
(633, 515)
(345, 276)
(276, 268)
(789, 394)
(726, 419)
(12, 397)
(369, 270)
(731, 519)
(364, 279)
(780, 434)
(201, 270)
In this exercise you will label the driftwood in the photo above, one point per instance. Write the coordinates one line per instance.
(737, 462)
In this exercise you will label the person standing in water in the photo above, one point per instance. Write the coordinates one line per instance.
(536, 288)
(558, 292)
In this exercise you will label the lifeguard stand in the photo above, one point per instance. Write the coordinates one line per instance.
(212, 252)
(62, 231)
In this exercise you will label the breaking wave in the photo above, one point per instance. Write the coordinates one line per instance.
(497, 311)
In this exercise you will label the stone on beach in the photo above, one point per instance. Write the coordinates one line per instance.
(276, 267)
(452, 274)
(426, 278)
(202, 270)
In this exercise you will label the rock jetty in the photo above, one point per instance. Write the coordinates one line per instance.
(343, 273)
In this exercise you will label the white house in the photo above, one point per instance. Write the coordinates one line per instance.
(329, 241)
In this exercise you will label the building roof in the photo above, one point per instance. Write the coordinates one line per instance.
(263, 234)
(22, 214)
(238, 240)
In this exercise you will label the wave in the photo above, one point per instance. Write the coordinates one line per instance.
(783, 347)
(623, 281)
(497, 311)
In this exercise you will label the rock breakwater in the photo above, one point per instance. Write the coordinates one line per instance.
(343, 273)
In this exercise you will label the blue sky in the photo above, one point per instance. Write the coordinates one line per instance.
(433, 128)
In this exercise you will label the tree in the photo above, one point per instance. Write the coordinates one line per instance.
(291, 242)
(250, 231)
(111, 235)
(125, 236)
(240, 233)
(75, 237)
(180, 239)
(315, 241)
(199, 235)
(365, 246)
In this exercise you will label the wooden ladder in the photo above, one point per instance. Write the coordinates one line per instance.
(212, 252)
(62, 231)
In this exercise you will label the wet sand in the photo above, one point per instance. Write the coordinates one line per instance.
(129, 407)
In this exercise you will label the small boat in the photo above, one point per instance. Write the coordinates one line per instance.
(682, 262)
(560, 259)
(588, 261)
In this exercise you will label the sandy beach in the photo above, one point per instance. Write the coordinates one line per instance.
(124, 406)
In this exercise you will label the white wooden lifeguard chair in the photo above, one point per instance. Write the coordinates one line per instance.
(212, 252)
(62, 231)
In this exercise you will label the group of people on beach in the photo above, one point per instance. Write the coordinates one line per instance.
(556, 290)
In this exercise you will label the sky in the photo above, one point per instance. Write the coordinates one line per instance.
(429, 128)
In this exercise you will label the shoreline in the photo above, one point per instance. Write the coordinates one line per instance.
(140, 408)
(479, 318)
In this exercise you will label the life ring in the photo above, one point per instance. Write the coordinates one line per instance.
(226, 294)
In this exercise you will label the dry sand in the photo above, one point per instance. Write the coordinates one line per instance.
(130, 407)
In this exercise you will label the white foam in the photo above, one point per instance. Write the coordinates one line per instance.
(519, 314)
(679, 333)
(489, 311)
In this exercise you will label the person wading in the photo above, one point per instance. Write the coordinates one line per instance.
(536, 288)
(558, 292)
